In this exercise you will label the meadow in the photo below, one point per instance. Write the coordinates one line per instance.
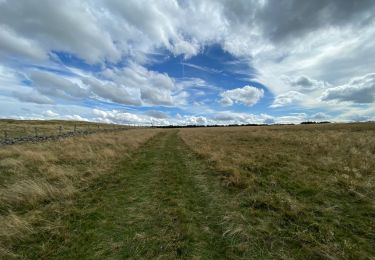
(10, 128)
(265, 192)
(305, 190)
(41, 180)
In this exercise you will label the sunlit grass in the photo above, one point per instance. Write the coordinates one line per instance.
(305, 190)
(36, 175)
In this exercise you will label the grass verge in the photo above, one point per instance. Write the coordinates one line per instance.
(46, 177)
(307, 191)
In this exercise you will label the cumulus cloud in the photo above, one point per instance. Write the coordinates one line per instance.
(155, 88)
(229, 117)
(246, 95)
(193, 120)
(126, 117)
(297, 49)
(122, 117)
(50, 113)
(289, 98)
(304, 83)
(115, 116)
(358, 90)
(111, 91)
(68, 26)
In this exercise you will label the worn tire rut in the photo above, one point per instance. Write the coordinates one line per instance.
(160, 203)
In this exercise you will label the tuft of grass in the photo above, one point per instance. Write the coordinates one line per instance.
(17, 128)
(307, 190)
(279, 192)
(39, 177)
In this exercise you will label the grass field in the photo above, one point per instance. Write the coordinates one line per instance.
(303, 192)
(16, 128)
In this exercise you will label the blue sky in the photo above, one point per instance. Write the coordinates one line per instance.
(196, 62)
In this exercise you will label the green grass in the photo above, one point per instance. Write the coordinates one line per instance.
(166, 201)
(161, 204)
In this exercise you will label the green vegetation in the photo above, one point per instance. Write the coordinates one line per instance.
(304, 192)
(38, 182)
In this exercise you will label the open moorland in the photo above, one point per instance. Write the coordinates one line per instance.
(264, 192)
(19, 128)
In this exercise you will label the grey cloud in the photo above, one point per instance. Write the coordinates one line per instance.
(289, 98)
(32, 96)
(53, 85)
(137, 76)
(226, 101)
(60, 25)
(100, 30)
(328, 39)
(269, 121)
(306, 83)
(155, 88)
(283, 19)
(358, 90)
(320, 116)
(111, 91)
(229, 117)
(13, 44)
(156, 114)
(154, 96)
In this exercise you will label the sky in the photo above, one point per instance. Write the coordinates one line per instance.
(188, 62)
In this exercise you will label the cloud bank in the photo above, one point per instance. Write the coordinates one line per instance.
(311, 56)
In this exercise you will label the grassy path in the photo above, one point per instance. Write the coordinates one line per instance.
(160, 203)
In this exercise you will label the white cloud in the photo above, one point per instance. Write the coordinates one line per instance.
(357, 115)
(51, 84)
(156, 114)
(113, 92)
(13, 44)
(50, 113)
(120, 117)
(70, 26)
(320, 116)
(32, 96)
(154, 88)
(357, 90)
(193, 120)
(296, 59)
(246, 95)
(226, 101)
(229, 117)
(289, 98)
(304, 84)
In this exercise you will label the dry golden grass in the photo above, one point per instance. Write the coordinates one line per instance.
(348, 149)
(17, 128)
(35, 176)
(306, 186)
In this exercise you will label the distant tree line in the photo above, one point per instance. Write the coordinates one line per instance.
(313, 122)
(236, 125)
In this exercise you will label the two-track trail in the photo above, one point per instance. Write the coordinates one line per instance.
(162, 202)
